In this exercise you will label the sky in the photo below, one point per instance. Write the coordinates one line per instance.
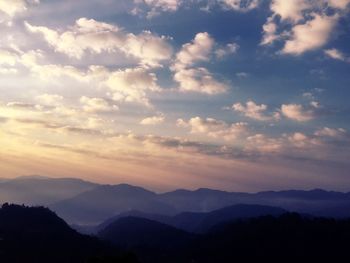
(239, 95)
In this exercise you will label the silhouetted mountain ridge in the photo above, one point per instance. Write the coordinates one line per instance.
(35, 234)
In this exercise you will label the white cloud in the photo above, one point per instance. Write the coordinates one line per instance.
(199, 80)
(311, 35)
(198, 50)
(131, 85)
(240, 5)
(269, 32)
(335, 54)
(50, 99)
(154, 120)
(97, 105)
(7, 58)
(97, 37)
(215, 128)
(13, 7)
(297, 112)
(289, 10)
(254, 111)
(196, 79)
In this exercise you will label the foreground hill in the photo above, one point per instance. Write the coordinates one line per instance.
(38, 235)
(136, 232)
(289, 238)
(286, 238)
(38, 190)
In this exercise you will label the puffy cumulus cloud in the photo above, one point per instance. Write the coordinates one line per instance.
(307, 24)
(214, 128)
(97, 37)
(199, 80)
(311, 35)
(127, 85)
(336, 54)
(255, 111)
(154, 120)
(132, 85)
(289, 10)
(240, 5)
(97, 105)
(297, 112)
(13, 7)
(198, 50)
(196, 79)
(300, 140)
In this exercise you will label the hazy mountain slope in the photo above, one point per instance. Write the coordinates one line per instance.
(317, 202)
(103, 202)
(201, 222)
(36, 190)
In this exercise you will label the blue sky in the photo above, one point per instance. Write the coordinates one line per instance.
(233, 94)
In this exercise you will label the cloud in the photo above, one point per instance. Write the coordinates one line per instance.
(330, 132)
(214, 128)
(198, 50)
(336, 54)
(303, 25)
(97, 105)
(23, 105)
(13, 7)
(260, 143)
(50, 99)
(199, 80)
(8, 58)
(131, 85)
(240, 5)
(312, 35)
(255, 111)
(297, 112)
(269, 32)
(289, 10)
(196, 79)
(340, 4)
(154, 120)
(223, 52)
(164, 5)
(155, 7)
(97, 37)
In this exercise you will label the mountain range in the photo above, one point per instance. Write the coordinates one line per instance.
(84, 203)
